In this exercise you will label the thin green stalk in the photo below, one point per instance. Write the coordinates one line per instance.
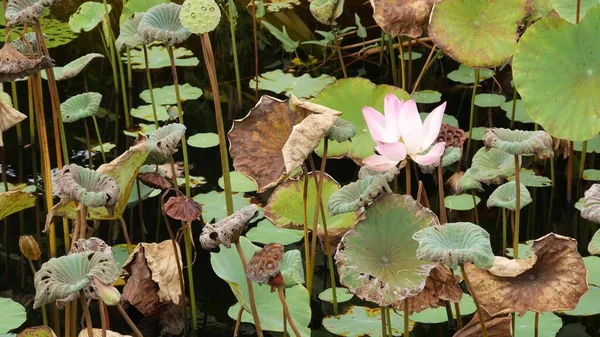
(475, 207)
(88, 143)
(236, 64)
(504, 231)
(307, 258)
(517, 208)
(315, 229)
(381, 46)
(393, 60)
(99, 138)
(402, 64)
(472, 115)
(475, 299)
(383, 322)
(187, 235)
(388, 318)
(570, 173)
(336, 41)
(582, 160)
(255, 40)
(406, 315)
(44, 314)
(514, 108)
(149, 81)
(129, 76)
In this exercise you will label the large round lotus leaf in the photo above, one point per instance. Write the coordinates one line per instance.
(213, 204)
(144, 129)
(72, 68)
(591, 206)
(341, 294)
(166, 95)
(492, 166)
(466, 75)
(166, 139)
(203, 140)
(505, 196)
(87, 16)
(528, 178)
(80, 106)
(200, 16)
(489, 100)
(349, 96)
(520, 112)
(266, 233)
(568, 11)
(377, 259)
(158, 58)
(303, 86)
(358, 194)
(594, 246)
(138, 6)
(439, 315)
(477, 33)
(548, 325)
(461, 202)
(15, 201)
(588, 304)
(66, 275)
(570, 82)
(146, 113)
(538, 9)
(427, 97)
(360, 321)
(593, 145)
(128, 35)
(519, 142)
(591, 175)
(14, 315)
(239, 183)
(228, 266)
(161, 23)
(455, 243)
(556, 269)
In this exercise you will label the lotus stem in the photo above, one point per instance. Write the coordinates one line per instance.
(381, 44)
(313, 254)
(209, 60)
(68, 319)
(86, 313)
(440, 178)
(44, 314)
(116, 87)
(99, 138)
(336, 41)
(88, 144)
(383, 322)
(406, 315)
(451, 323)
(475, 299)
(73, 317)
(129, 78)
(392, 59)
(187, 240)
(286, 311)
(238, 321)
(141, 209)
(407, 172)
(570, 173)
(240, 251)
(504, 239)
(255, 40)
(4, 178)
(82, 210)
(475, 207)
(136, 331)
(577, 12)
(101, 307)
(410, 65)
(236, 64)
(125, 234)
(307, 258)
(428, 64)
(514, 108)
(402, 64)
(517, 209)
(149, 81)
(582, 159)
(388, 318)
(459, 324)
(472, 112)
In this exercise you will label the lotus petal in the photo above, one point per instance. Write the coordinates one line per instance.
(161, 23)
(98, 333)
(505, 196)
(80, 106)
(200, 16)
(451, 156)
(228, 230)
(402, 17)
(518, 142)
(591, 206)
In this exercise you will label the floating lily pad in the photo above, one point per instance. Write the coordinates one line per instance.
(477, 133)
(266, 233)
(120, 254)
(303, 86)
(411, 55)
(158, 57)
(592, 264)
(57, 32)
(520, 112)
(138, 6)
(548, 325)
(427, 97)
(80, 106)
(144, 129)
(594, 247)
(15, 201)
(567, 11)
(588, 303)
(528, 178)
(461, 202)
(239, 182)
(439, 315)
(505, 196)
(342, 295)
(448, 119)
(465, 74)
(489, 100)
(593, 145)
(570, 82)
(213, 204)
(195, 181)
(145, 112)
(166, 95)
(14, 315)
(87, 16)
(360, 321)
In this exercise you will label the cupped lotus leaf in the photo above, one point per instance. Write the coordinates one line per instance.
(265, 232)
(461, 202)
(427, 96)
(504, 267)
(477, 33)
(593, 145)
(138, 6)
(594, 245)
(14, 315)
(203, 140)
(402, 17)
(377, 259)
(570, 82)
(73, 68)
(505, 196)
(80, 106)
(349, 96)
(591, 206)
(128, 35)
(489, 100)
(303, 86)
(165, 139)
(20, 12)
(292, 269)
(528, 178)
(307, 134)
(99, 333)
(161, 23)
(440, 315)
(200, 16)
(496, 326)
(519, 142)
(228, 266)
(465, 74)
(88, 16)
(556, 281)
(88, 187)
(166, 95)
(239, 183)
(62, 277)
(106, 147)
(521, 114)
(228, 230)
(389, 175)
(588, 304)
(326, 11)
(451, 155)
(548, 326)
(182, 208)
(455, 243)
(341, 131)
(357, 195)
(146, 113)
(341, 295)
(567, 11)
(591, 175)
(213, 204)
(284, 207)
(360, 321)
(492, 166)
(9, 116)
(158, 57)
(16, 65)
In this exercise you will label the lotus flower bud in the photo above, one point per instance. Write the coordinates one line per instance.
(29, 247)
(109, 294)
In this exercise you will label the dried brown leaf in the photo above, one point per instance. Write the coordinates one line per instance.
(402, 17)
(15, 65)
(98, 333)
(140, 290)
(511, 268)
(496, 326)
(183, 208)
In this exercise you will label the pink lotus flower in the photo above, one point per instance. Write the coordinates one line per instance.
(400, 132)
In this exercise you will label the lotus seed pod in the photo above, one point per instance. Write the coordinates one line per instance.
(29, 247)
(200, 16)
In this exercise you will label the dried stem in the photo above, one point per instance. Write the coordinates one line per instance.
(240, 251)
(440, 178)
(136, 331)
(307, 258)
(125, 234)
(475, 299)
(86, 313)
(517, 208)
(286, 311)
(149, 81)
(102, 308)
(472, 113)
(238, 321)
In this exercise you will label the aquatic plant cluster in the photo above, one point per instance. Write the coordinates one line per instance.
(403, 243)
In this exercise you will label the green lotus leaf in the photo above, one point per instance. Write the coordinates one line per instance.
(2, 18)
(213, 204)
(451, 155)
(389, 175)
(591, 175)
(292, 269)
(465, 74)
(588, 303)
(530, 179)
(492, 166)
(505, 196)
(326, 11)
(568, 11)
(427, 96)
(477, 33)
(461, 202)
(439, 314)
(289, 45)
(592, 265)
(87, 16)
(284, 207)
(239, 183)
(18, 187)
(146, 113)
(341, 131)
(469, 181)
(341, 295)
(144, 129)
(200, 16)
(166, 95)
(14, 315)
(349, 96)
(15, 201)
(579, 204)
(519, 142)
(73, 68)
(158, 58)
(265, 233)
(20, 12)
(593, 145)
(80, 106)
(591, 206)
(161, 23)
(165, 139)
(228, 266)
(594, 245)
(360, 321)
(520, 112)
(88, 187)
(538, 9)
(448, 119)
(455, 243)
(203, 140)
(62, 277)
(357, 195)
(548, 326)
(138, 6)
(303, 86)
(489, 100)
(570, 82)
(377, 259)
(39, 331)
(128, 35)
(477, 133)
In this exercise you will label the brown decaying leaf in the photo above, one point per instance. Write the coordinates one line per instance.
(91, 245)
(496, 326)
(440, 286)
(154, 180)
(511, 268)
(228, 230)
(14, 65)
(172, 320)
(556, 281)
(257, 140)
(402, 17)
(265, 263)
(98, 333)
(140, 290)
(9, 116)
(179, 168)
(37, 331)
(183, 208)
(29, 247)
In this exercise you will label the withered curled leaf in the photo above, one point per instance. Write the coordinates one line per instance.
(228, 230)
(402, 17)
